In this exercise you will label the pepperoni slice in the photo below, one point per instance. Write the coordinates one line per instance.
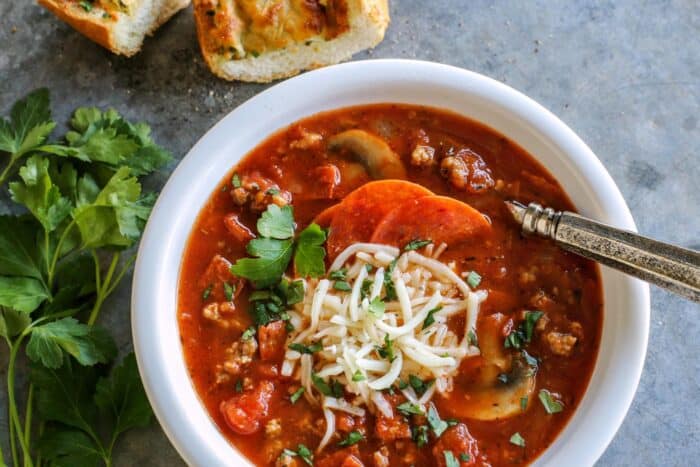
(326, 216)
(437, 218)
(362, 210)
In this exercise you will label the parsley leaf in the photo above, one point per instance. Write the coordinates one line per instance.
(408, 408)
(376, 307)
(342, 285)
(416, 244)
(116, 216)
(353, 437)
(551, 405)
(297, 394)
(276, 222)
(387, 350)
(306, 349)
(531, 318)
(517, 440)
(419, 435)
(21, 293)
(273, 257)
(122, 399)
(29, 125)
(66, 447)
(18, 252)
(473, 279)
(12, 322)
(436, 423)
(38, 193)
(430, 319)
(450, 459)
(358, 376)
(87, 344)
(310, 254)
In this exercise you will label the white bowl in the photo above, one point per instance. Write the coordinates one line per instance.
(154, 298)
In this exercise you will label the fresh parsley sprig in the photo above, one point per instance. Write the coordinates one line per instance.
(59, 262)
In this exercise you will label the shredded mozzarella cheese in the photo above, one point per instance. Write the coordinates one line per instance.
(366, 349)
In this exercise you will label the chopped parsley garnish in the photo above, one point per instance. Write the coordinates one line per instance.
(452, 422)
(430, 319)
(339, 275)
(207, 292)
(532, 361)
(332, 388)
(517, 440)
(358, 376)
(436, 424)
(376, 307)
(365, 289)
(248, 333)
(523, 403)
(368, 267)
(450, 459)
(531, 318)
(273, 250)
(419, 435)
(523, 334)
(473, 279)
(229, 290)
(239, 386)
(353, 437)
(342, 285)
(387, 350)
(293, 291)
(306, 349)
(303, 452)
(416, 244)
(297, 394)
(236, 180)
(473, 340)
(389, 287)
(551, 405)
(272, 191)
(419, 385)
(87, 6)
(464, 457)
(407, 408)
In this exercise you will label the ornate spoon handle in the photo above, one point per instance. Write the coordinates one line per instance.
(668, 266)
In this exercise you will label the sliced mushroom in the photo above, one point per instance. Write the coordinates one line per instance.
(374, 153)
(503, 383)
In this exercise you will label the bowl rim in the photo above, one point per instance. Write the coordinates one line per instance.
(202, 444)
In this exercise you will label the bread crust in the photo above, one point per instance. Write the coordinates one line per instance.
(101, 30)
(373, 15)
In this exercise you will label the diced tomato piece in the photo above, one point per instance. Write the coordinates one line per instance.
(217, 273)
(437, 218)
(458, 440)
(344, 422)
(271, 339)
(267, 370)
(244, 413)
(391, 429)
(239, 231)
(352, 461)
(325, 218)
(348, 457)
(362, 210)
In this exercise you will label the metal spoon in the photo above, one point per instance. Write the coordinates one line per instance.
(668, 266)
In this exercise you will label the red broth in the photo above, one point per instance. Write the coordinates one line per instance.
(520, 273)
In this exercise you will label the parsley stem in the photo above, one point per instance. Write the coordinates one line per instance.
(57, 252)
(8, 168)
(13, 446)
(12, 402)
(104, 288)
(28, 416)
(120, 276)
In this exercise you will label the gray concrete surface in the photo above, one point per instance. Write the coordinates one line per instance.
(625, 75)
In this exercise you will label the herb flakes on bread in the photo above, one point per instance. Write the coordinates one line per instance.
(260, 41)
(118, 25)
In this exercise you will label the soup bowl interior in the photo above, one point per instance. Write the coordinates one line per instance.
(583, 177)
